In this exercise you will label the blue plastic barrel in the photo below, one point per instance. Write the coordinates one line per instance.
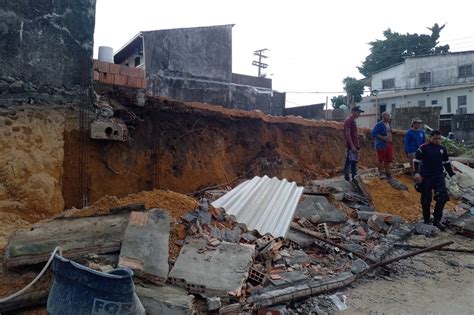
(80, 290)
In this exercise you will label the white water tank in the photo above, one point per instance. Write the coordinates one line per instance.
(106, 54)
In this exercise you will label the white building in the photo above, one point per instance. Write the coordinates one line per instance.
(445, 80)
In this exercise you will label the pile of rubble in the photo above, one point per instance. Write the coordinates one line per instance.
(264, 246)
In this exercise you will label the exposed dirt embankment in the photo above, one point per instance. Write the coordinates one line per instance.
(31, 165)
(187, 147)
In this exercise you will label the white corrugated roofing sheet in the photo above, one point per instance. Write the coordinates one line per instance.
(263, 204)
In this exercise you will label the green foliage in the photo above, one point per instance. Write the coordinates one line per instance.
(454, 148)
(354, 89)
(391, 50)
(339, 100)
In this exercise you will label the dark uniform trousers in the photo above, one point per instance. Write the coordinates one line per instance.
(438, 185)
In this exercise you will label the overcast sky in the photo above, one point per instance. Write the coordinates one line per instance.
(313, 44)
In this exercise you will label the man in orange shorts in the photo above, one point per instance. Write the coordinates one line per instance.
(382, 133)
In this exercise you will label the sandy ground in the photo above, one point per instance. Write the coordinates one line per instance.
(431, 283)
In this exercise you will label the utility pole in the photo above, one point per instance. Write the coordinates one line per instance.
(259, 63)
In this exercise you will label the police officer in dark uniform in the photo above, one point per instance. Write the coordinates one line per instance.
(430, 161)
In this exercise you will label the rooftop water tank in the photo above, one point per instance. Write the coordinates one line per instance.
(106, 54)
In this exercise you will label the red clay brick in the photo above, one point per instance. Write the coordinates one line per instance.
(125, 70)
(120, 79)
(96, 75)
(114, 69)
(144, 85)
(95, 64)
(137, 73)
(134, 82)
(103, 66)
(106, 78)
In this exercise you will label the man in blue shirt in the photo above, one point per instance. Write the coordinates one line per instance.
(382, 133)
(430, 161)
(413, 139)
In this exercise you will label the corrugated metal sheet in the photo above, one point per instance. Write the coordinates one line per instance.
(263, 204)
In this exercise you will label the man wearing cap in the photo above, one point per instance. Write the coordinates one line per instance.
(413, 139)
(352, 143)
(382, 133)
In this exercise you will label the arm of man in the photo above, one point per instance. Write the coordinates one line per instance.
(377, 132)
(406, 141)
(347, 133)
(417, 163)
(447, 163)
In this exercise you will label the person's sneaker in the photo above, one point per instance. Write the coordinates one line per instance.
(440, 226)
(347, 178)
(382, 176)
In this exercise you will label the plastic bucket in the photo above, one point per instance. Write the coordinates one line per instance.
(80, 290)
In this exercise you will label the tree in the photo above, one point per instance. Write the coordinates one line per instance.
(392, 50)
(354, 89)
(337, 101)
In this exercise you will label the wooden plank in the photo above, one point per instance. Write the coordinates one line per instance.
(76, 237)
(27, 299)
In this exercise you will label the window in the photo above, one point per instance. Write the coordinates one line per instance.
(462, 100)
(422, 103)
(137, 61)
(465, 71)
(388, 84)
(448, 103)
(434, 102)
(425, 78)
(393, 107)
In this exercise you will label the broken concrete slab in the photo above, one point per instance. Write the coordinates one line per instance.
(213, 303)
(288, 278)
(385, 217)
(426, 229)
(166, 300)
(145, 244)
(359, 266)
(76, 236)
(297, 257)
(319, 210)
(465, 224)
(299, 238)
(218, 272)
(397, 184)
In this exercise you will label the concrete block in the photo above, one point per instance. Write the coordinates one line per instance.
(219, 271)
(166, 300)
(145, 245)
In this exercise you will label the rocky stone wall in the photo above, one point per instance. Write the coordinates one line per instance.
(45, 50)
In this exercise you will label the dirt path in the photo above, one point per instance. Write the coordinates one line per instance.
(431, 283)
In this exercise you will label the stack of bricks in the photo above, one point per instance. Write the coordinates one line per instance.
(109, 73)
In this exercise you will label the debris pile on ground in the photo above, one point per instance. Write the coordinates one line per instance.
(189, 256)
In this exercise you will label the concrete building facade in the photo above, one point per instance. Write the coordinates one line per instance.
(195, 64)
(445, 81)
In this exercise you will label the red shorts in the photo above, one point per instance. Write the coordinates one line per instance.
(385, 155)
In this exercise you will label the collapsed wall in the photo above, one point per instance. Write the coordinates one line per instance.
(188, 147)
